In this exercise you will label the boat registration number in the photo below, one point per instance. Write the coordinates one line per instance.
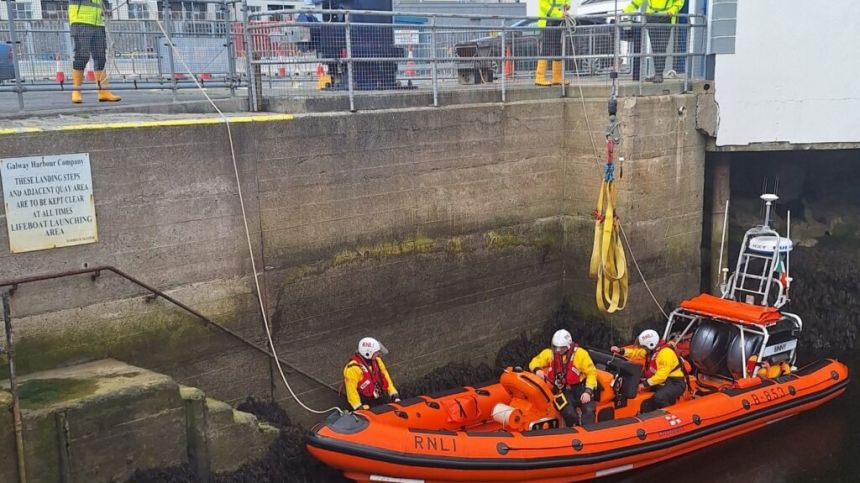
(768, 395)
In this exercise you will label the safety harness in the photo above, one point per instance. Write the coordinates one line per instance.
(651, 362)
(373, 383)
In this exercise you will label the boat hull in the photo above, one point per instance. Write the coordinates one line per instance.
(387, 448)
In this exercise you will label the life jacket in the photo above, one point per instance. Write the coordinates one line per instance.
(373, 383)
(562, 368)
(651, 360)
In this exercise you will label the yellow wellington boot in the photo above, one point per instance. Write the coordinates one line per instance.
(77, 81)
(104, 94)
(540, 74)
(556, 73)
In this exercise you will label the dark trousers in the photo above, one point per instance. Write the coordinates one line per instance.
(89, 42)
(569, 411)
(668, 393)
(659, 28)
(550, 39)
(383, 399)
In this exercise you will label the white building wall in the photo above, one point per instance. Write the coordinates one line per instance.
(793, 77)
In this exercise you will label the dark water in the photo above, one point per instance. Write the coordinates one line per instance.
(821, 445)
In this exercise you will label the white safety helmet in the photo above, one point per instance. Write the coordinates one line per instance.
(561, 340)
(369, 346)
(649, 339)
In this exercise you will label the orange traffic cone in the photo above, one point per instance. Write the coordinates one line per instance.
(90, 75)
(282, 71)
(61, 76)
(323, 79)
(509, 64)
(410, 64)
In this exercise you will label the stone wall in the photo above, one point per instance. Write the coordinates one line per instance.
(444, 232)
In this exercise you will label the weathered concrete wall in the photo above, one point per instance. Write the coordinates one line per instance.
(444, 232)
(102, 421)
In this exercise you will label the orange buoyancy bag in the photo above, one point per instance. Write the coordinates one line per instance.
(463, 410)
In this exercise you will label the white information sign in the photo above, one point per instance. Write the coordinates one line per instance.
(49, 201)
(405, 37)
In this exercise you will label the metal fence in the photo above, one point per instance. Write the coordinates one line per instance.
(313, 52)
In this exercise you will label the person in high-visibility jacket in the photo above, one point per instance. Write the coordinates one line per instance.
(571, 372)
(664, 370)
(550, 40)
(658, 13)
(365, 378)
(767, 370)
(87, 27)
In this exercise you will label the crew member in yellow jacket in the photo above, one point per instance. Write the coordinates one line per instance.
(365, 378)
(658, 13)
(570, 370)
(550, 40)
(87, 27)
(664, 370)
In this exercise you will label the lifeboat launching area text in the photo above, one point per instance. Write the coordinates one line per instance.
(49, 201)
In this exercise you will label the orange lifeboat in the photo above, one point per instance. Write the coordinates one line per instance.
(511, 431)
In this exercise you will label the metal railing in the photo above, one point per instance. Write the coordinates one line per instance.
(153, 294)
(314, 52)
(358, 52)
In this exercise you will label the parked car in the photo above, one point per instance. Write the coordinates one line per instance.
(593, 37)
(7, 66)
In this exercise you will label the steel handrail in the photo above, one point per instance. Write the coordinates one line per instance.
(95, 272)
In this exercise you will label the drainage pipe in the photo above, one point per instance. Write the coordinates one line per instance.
(16, 406)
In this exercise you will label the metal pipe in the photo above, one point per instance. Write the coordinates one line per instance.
(246, 35)
(349, 78)
(433, 72)
(503, 62)
(13, 388)
(10, 11)
(231, 52)
(96, 271)
(118, 87)
(168, 25)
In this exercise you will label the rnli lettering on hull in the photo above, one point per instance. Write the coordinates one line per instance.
(434, 443)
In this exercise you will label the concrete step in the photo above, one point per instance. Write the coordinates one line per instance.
(101, 421)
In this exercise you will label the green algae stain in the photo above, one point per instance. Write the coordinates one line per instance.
(496, 240)
(39, 393)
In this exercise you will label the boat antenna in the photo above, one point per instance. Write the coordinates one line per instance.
(768, 199)
(722, 247)
(788, 255)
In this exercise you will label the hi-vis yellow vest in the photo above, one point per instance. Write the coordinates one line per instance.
(551, 8)
(656, 7)
(88, 12)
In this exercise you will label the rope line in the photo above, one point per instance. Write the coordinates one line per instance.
(263, 312)
(571, 28)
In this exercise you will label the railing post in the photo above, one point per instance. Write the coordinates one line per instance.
(433, 54)
(687, 62)
(246, 35)
(349, 80)
(13, 388)
(19, 86)
(564, 60)
(168, 28)
(229, 46)
(642, 34)
(504, 59)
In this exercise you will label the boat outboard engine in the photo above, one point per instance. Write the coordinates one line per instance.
(780, 345)
(709, 346)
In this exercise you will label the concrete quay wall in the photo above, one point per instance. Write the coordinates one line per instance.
(442, 231)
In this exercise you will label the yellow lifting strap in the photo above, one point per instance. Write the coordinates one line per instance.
(608, 263)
